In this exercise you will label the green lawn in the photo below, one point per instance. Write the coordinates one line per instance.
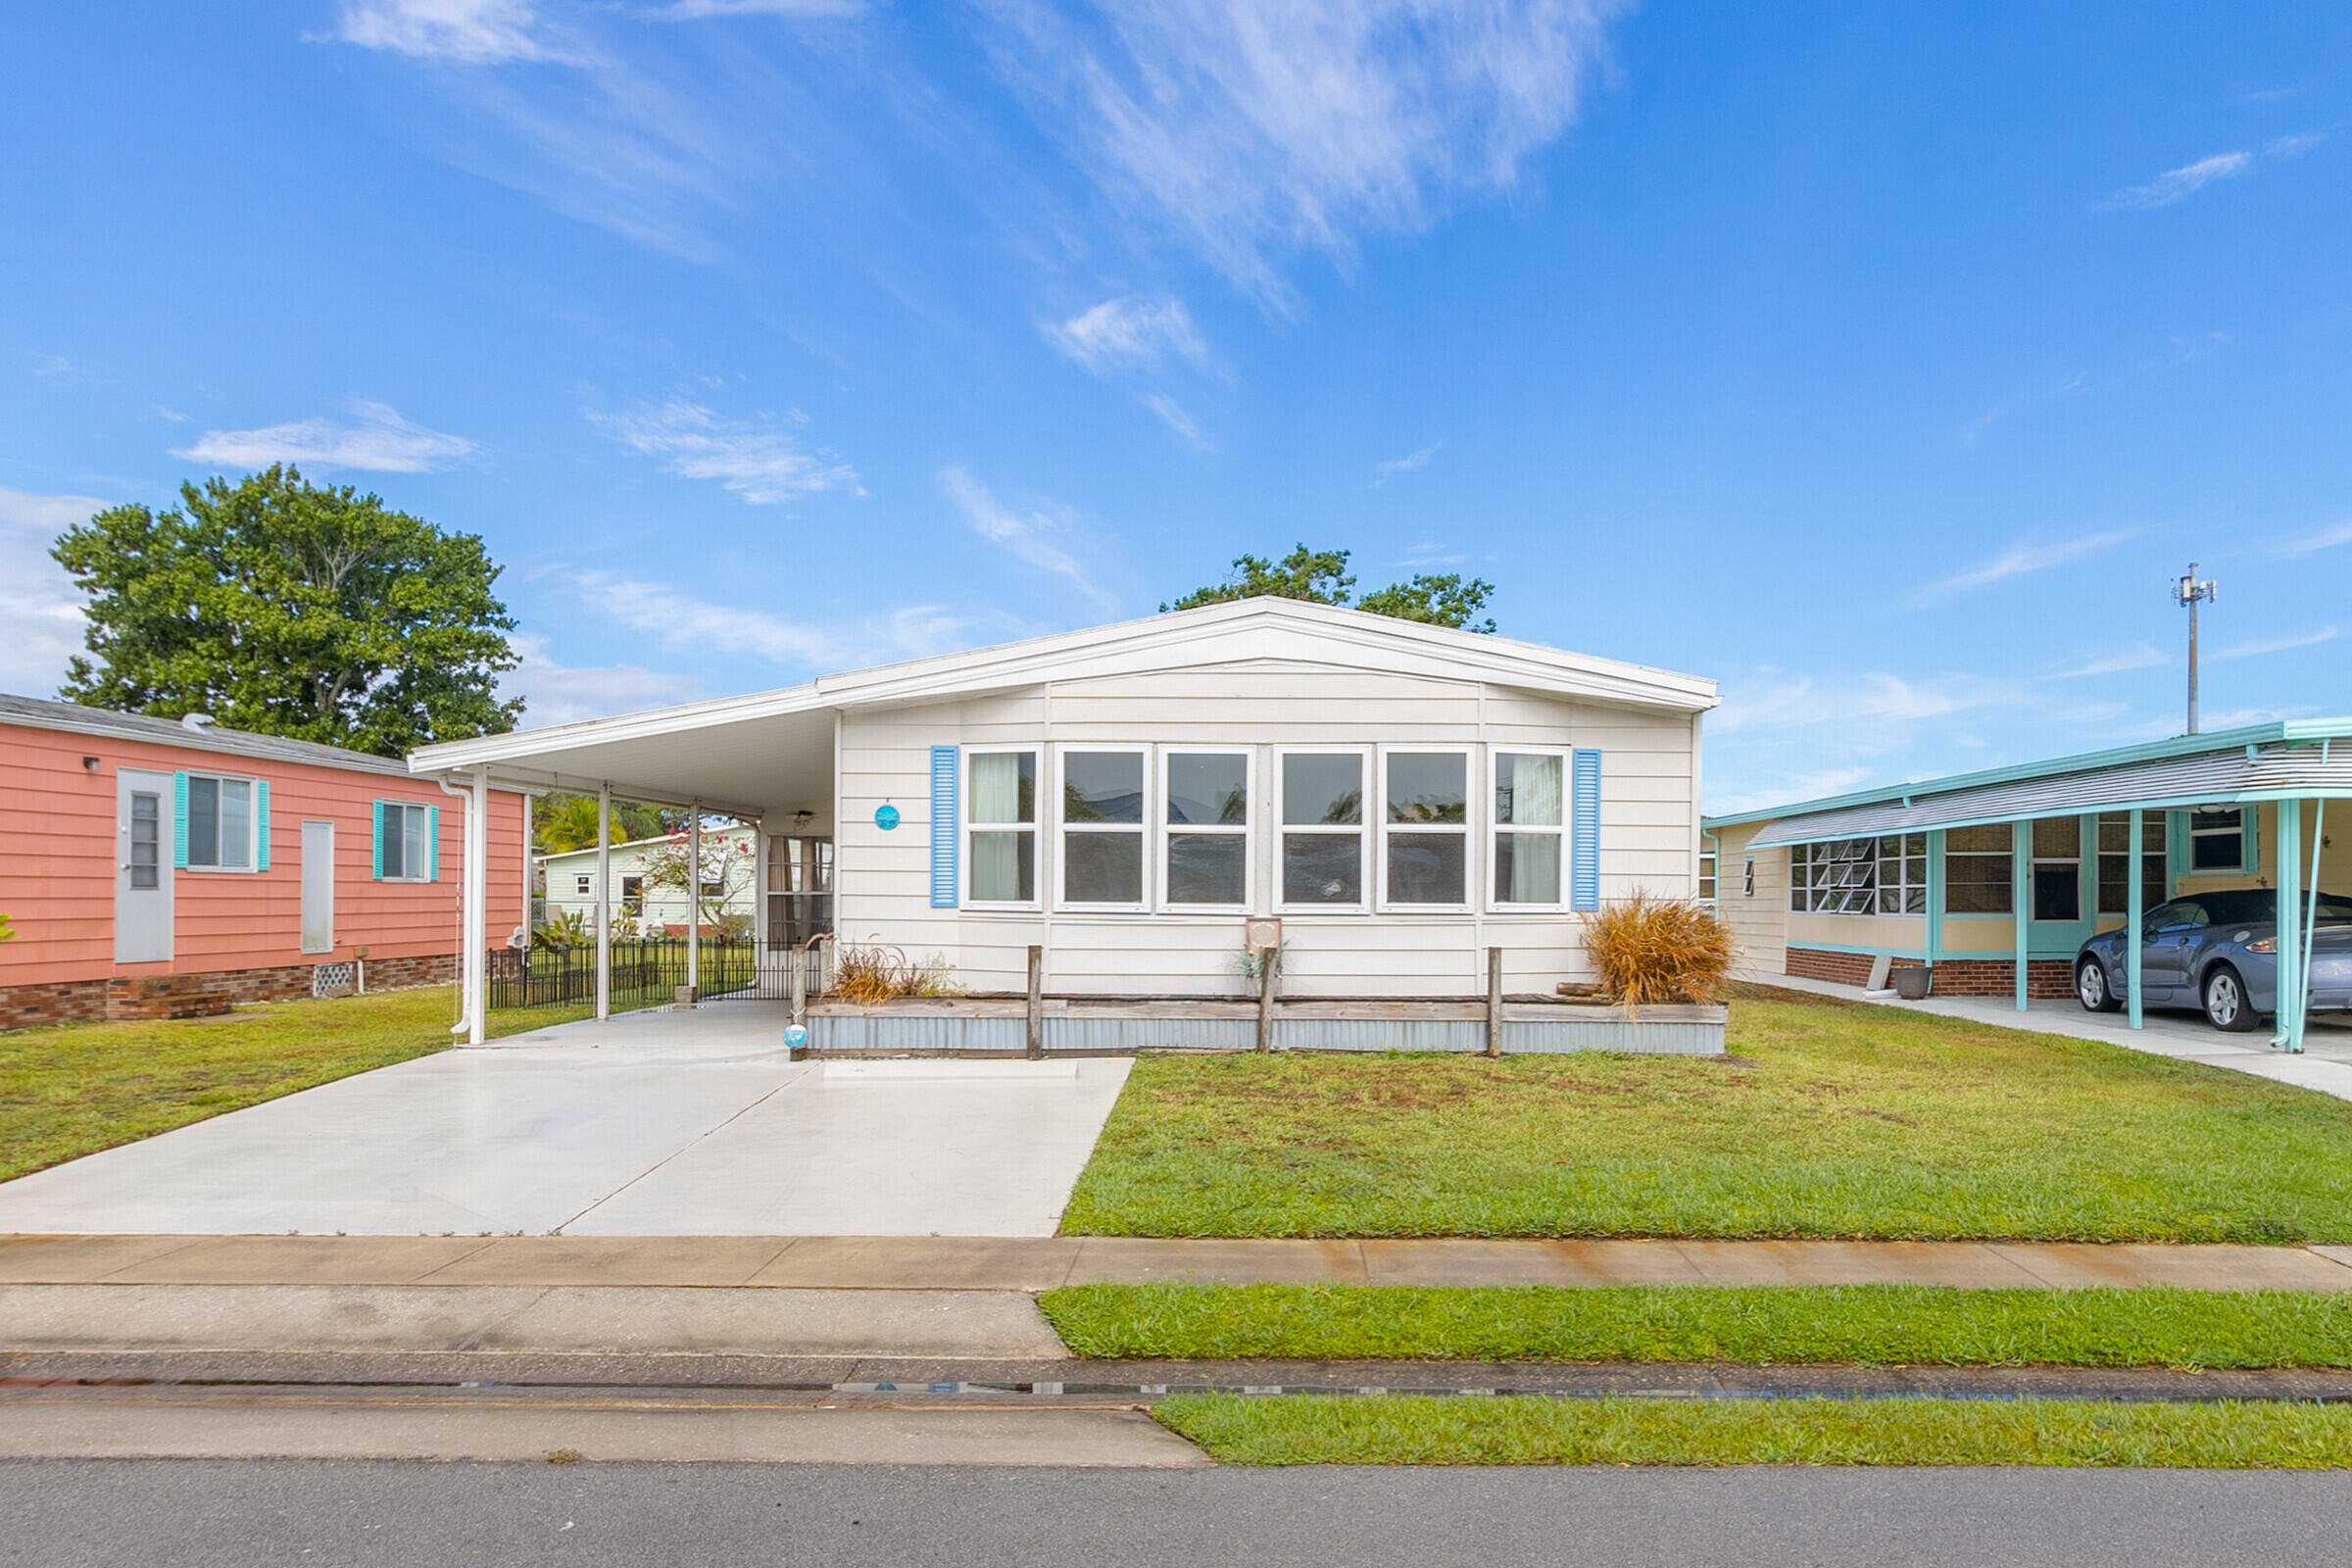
(1830, 1119)
(78, 1088)
(1869, 1324)
(1312, 1429)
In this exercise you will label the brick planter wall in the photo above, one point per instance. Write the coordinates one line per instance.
(2047, 979)
(133, 997)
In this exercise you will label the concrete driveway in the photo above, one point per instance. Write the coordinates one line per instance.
(654, 1124)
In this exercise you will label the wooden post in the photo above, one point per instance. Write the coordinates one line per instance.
(1266, 999)
(1493, 1001)
(1037, 1002)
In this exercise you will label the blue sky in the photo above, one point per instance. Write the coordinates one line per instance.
(1881, 362)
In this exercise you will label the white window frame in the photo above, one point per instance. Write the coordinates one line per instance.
(424, 815)
(1141, 828)
(1366, 845)
(1708, 887)
(1038, 829)
(252, 813)
(2244, 833)
(1494, 904)
(584, 884)
(1471, 860)
(1247, 832)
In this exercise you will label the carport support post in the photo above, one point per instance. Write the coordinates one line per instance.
(476, 898)
(604, 903)
(1036, 1002)
(694, 903)
(2021, 894)
(1493, 1001)
(2133, 916)
(2291, 978)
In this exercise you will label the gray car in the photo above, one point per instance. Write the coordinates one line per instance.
(2219, 951)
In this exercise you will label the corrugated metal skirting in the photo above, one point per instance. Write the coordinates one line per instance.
(1647, 1036)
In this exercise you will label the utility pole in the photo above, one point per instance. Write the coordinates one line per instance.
(2191, 592)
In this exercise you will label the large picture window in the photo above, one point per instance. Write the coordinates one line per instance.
(2115, 861)
(1979, 864)
(1323, 829)
(1530, 827)
(1207, 859)
(1000, 828)
(1103, 828)
(220, 823)
(1425, 828)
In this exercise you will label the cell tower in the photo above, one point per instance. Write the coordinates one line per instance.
(2191, 592)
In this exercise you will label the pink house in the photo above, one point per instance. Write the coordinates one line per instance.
(161, 867)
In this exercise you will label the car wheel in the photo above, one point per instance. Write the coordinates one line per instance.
(2227, 1004)
(2090, 987)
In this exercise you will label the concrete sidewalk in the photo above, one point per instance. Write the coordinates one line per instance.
(830, 1263)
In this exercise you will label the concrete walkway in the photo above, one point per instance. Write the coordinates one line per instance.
(851, 1263)
(2326, 1063)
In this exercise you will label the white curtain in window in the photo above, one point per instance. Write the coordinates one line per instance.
(1537, 794)
(996, 872)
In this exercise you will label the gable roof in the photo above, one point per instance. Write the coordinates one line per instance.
(1237, 632)
(72, 718)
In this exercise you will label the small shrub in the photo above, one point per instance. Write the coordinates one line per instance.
(1657, 950)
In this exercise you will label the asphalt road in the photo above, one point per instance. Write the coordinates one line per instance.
(58, 1513)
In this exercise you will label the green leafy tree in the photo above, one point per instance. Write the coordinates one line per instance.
(289, 609)
(563, 821)
(1321, 576)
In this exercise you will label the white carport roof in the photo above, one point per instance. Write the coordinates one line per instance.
(772, 751)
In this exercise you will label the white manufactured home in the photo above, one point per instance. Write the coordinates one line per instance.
(1401, 798)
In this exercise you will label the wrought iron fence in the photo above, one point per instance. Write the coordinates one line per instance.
(644, 972)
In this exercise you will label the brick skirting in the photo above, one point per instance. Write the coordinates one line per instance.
(2047, 979)
(129, 997)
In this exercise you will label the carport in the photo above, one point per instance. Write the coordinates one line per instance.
(2159, 808)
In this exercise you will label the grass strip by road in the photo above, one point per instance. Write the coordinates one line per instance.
(1404, 1429)
(74, 1089)
(1900, 1325)
(1830, 1119)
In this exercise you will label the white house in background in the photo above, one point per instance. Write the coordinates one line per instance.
(1400, 796)
(571, 880)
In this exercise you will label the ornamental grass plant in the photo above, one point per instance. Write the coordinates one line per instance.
(1653, 949)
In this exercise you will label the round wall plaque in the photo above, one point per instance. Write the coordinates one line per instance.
(886, 817)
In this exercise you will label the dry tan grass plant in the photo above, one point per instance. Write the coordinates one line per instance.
(877, 972)
(1650, 949)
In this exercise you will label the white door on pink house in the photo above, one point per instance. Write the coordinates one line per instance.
(142, 866)
(317, 887)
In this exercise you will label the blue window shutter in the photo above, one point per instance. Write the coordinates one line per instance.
(2251, 847)
(1584, 847)
(432, 843)
(261, 825)
(942, 827)
(379, 841)
(179, 821)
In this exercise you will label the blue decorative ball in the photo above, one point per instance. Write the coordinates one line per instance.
(794, 1036)
(886, 817)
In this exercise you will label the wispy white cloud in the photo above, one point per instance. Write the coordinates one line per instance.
(801, 9)
(1431, 553)
(471, 32)
(2294, 146)
(2018, 561)
(1031, 538)
(1178, 419)
(1788, 789)
(377, 440)
(2178, 184)
(1388, 469)
(42, 622)
(1258, 132)
(1129, 333)
(687, 622)
(2326, 538)
(1858, 701)
(2143, 656)
(557, 693)
(2277, 645)
(758, 459)
(2064, 386)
